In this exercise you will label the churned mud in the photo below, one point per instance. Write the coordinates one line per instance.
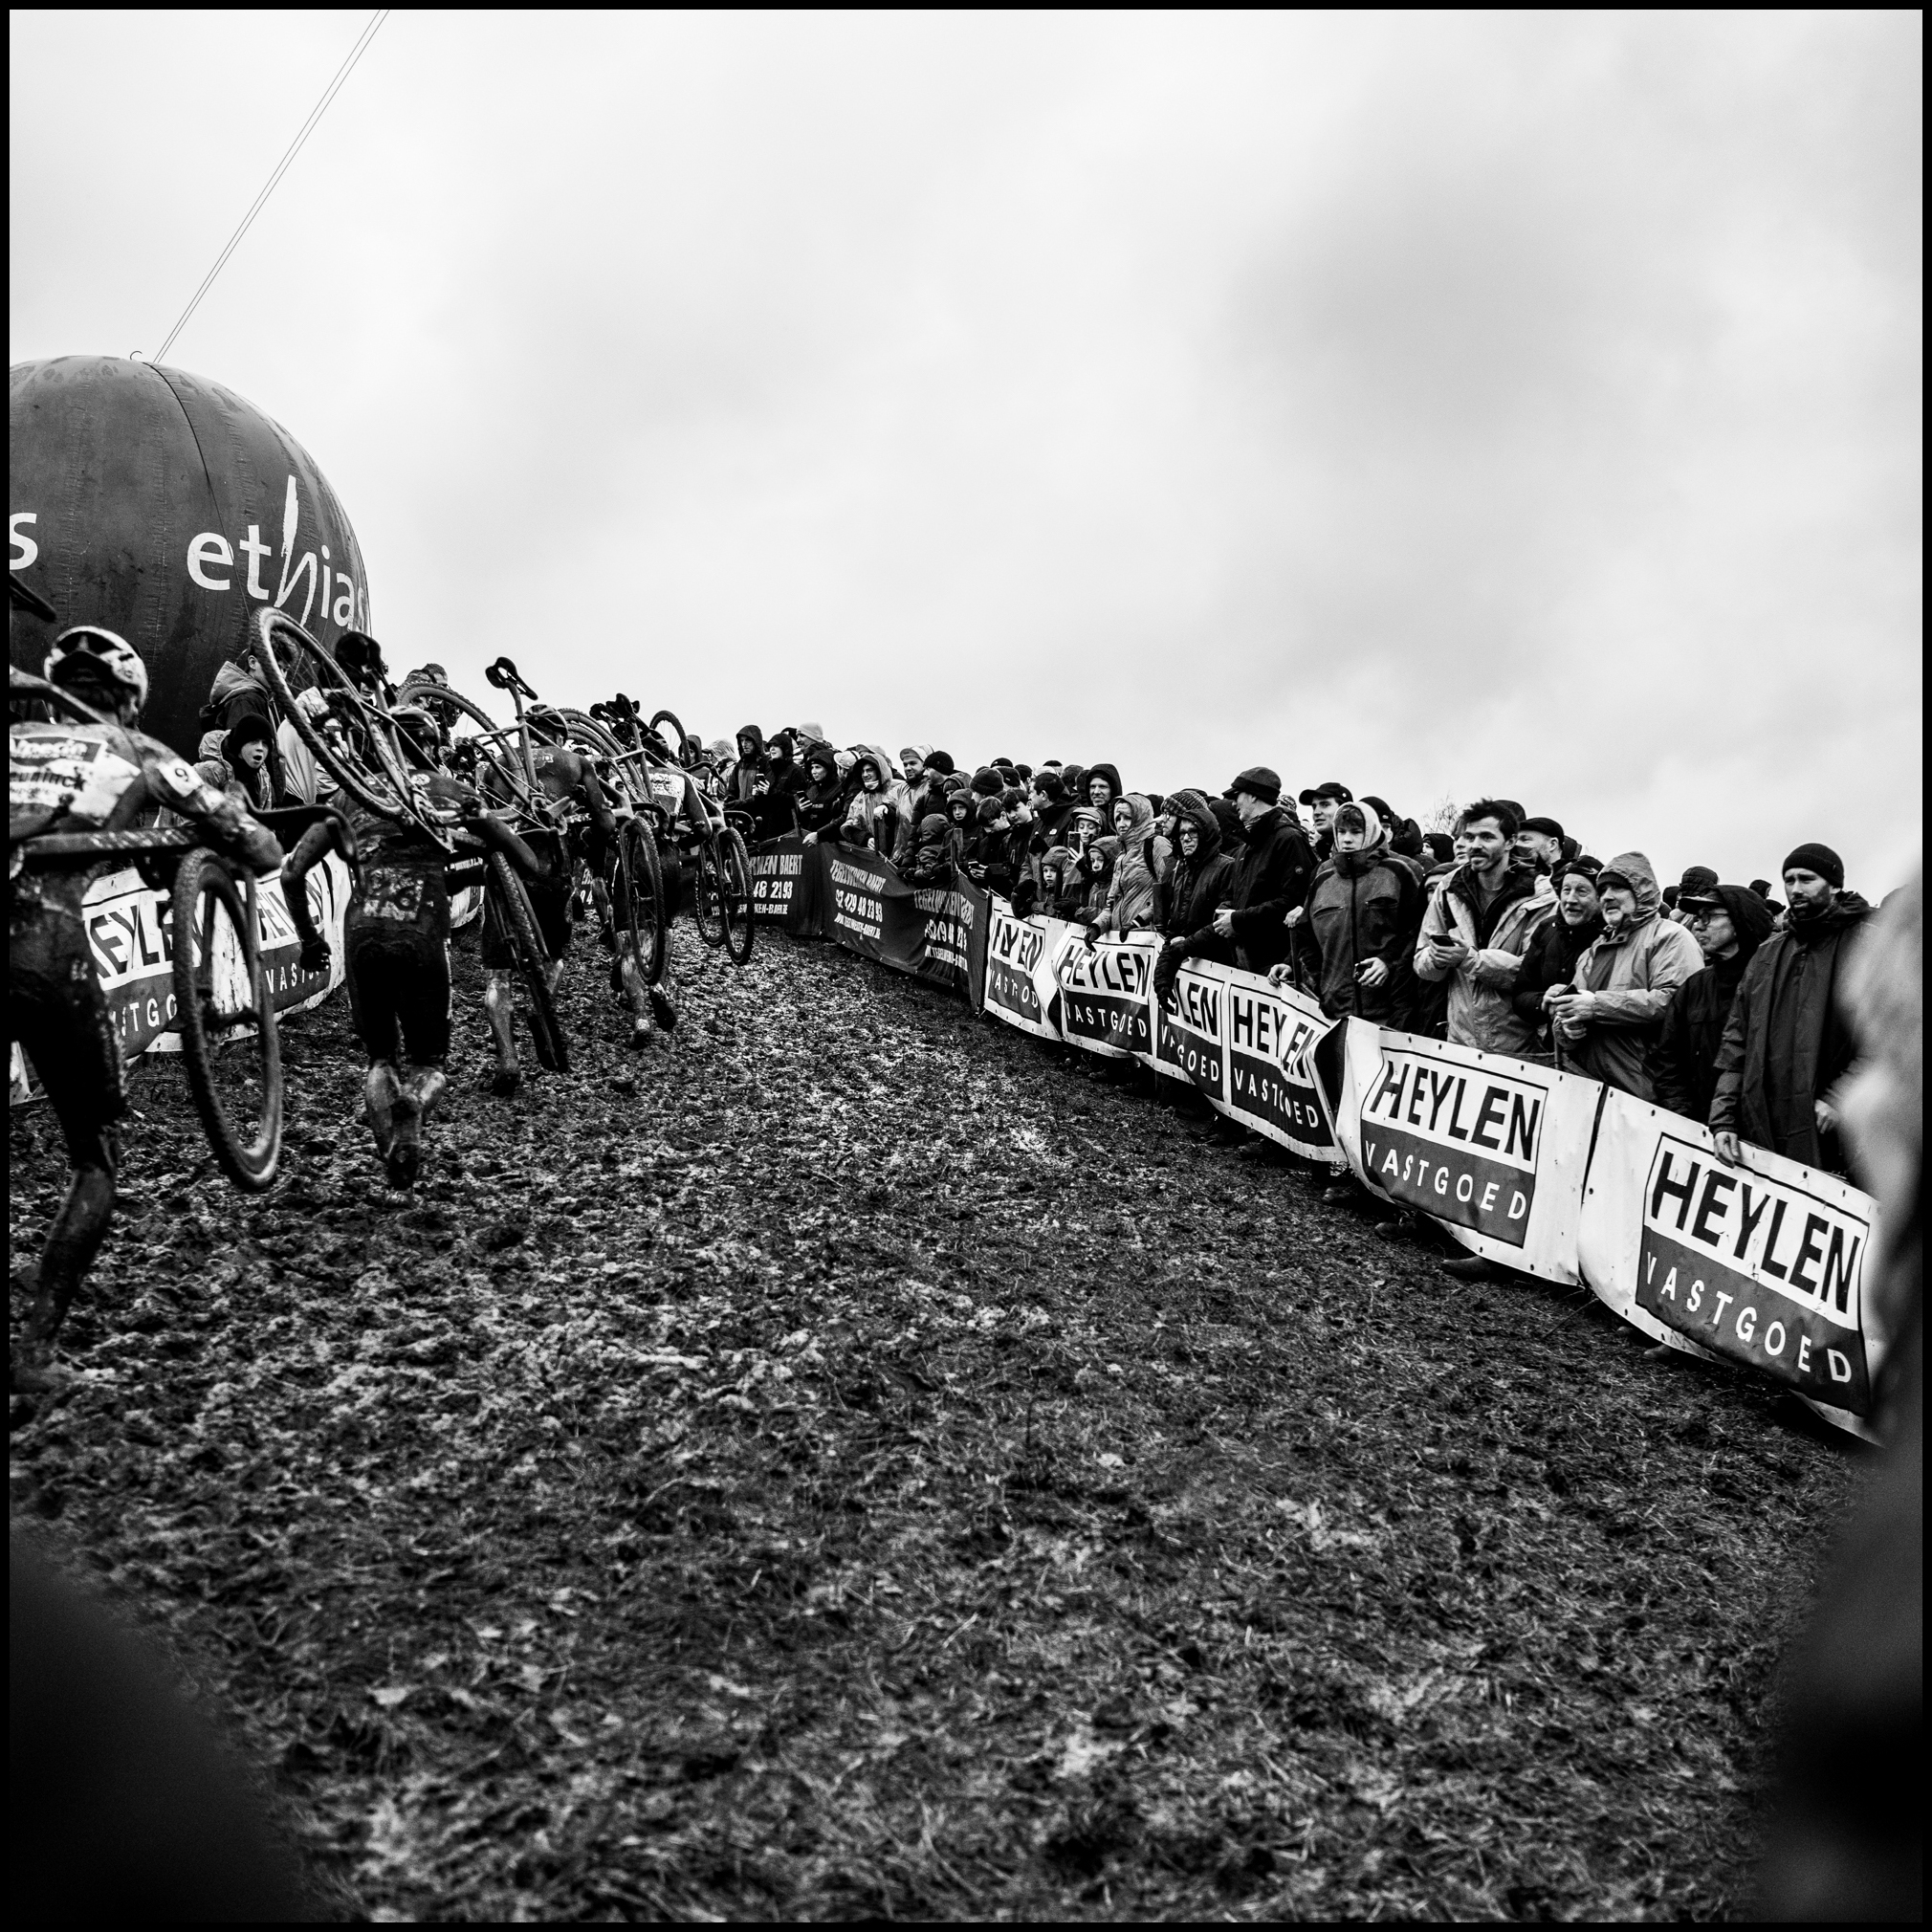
(857, 1460)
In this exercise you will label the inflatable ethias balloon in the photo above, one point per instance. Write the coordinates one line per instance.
(165, 507)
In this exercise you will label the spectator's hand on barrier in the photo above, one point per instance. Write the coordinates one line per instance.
(1224, 923)
(1373, 972)
(1279, 975)
(315, 955)
(1728, 1148)
(1551, 994)
(1826, 1115)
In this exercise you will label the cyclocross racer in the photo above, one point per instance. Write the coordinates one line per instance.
(66, 777)
(396, 940)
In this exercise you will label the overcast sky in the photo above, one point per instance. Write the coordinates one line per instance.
(1447, 404)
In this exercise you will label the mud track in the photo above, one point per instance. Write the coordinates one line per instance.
(859, 1460)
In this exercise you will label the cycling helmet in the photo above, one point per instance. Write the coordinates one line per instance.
(112, 656)
(421, 732)
(545, 718)
(361, 657)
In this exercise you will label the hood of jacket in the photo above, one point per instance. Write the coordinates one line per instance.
(1111, 773)
(230, 678)
(1750, 919)
(875, 756)
(1195, 812)
(1642, 877)
(1374, 847)
(1141, 824)
(821, 790)
(757, 743)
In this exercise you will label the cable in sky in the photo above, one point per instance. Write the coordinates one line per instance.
(308, 127)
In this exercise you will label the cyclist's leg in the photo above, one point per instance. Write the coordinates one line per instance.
(60, 1017)
(425, 1015)
(375, 988)
(498, 957)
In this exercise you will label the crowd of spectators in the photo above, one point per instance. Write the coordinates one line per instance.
(1498, 932)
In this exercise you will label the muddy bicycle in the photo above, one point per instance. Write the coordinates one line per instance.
(365, 743)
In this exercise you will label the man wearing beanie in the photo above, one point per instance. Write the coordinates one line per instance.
(1787, 1045)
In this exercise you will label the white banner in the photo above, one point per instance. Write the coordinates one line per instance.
(1106, 993)
(1495, 1149)
(1271, 1036)
(1763, 1264)
(130, 932)
(1190, 1036)
(1021, 988)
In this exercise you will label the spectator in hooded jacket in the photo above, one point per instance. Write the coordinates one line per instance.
(1142, 857)
(929, 851)
(1359, 923)
(1729, 924)
(1199, 883)
(1101, 786)
(875, 814)
(248, 750)
(1476, 927)
(822, 804)
(1610, 1022)
(1272, 875)
(1549, 966)
(1787, 1044)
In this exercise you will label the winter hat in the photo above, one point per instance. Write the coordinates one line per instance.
(210, 745)
(1023, 770)
(1233, 831)
(1550, 829)
(1670, 898)
(1266, 785)
(1749, 916)
(1059, 857)
(940, 763)
(987, 780)
(248, 729)
(1441, 847)
(1084, 819)
(1818, 858)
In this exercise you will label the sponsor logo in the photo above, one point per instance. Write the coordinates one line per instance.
(1763, 1271)
(1459, 1142)
(1271, 1079)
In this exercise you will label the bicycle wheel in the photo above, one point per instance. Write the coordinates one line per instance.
(492, 746)
(643, 919)
(533, 961)
(707, 895)
(221, 986)
(380, 782)
(737, 877)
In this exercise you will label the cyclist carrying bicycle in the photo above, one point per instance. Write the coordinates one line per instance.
(66, 777)
(396, 935)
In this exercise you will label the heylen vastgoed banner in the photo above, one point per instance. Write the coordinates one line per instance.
(1272, 1033)
(1190, 1043)
(1763, 1264)
(1021, 988)
(938, 933)
(1106, 994)
(1495, 1149)
(130, 932)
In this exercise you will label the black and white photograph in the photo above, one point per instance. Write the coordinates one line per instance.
(965, 966)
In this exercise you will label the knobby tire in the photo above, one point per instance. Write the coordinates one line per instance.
(708, 898)
(386, 793)
(546, 1032)
(203, 879)
(736, 878)
(648, 925)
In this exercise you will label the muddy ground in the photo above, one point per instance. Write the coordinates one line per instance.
(859, 1460)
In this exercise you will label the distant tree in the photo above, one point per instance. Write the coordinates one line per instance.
(1442, 816)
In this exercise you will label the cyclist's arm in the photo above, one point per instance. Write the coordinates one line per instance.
(309, 850)
(225, 823)
(499, 838)
(599, 806)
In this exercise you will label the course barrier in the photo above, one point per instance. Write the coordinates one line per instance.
(1547, 1172)
(130, 927)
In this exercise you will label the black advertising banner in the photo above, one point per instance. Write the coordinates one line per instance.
(1272, 1034)
(936, 932)
(1493, 1148)
(1763, 1264)
(785, 886)
(1106, 994)
(1189, 1041)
